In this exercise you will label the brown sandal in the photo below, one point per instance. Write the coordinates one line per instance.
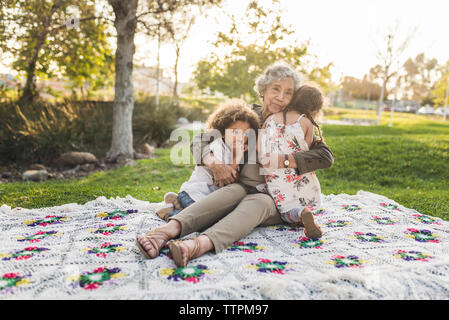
(153, 237)
(176, 252)
(312, 230)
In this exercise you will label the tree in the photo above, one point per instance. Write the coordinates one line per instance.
(44, 42)
(178, 34)
(360, 89)
(389, 60)
(441, 86)
(420, 75)
(127, 15)
(250, 46)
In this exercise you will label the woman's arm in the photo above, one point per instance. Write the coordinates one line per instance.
(318, 157)
(223, 173)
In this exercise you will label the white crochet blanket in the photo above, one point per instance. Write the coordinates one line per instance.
(372, 248)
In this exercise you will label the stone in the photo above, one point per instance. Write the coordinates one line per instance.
(35, 175)
(6, 175)
(73, 158)
(36, 166)
(87, 167)
(147, 149)
(129, 163)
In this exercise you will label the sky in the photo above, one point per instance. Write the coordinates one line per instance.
(348, 33)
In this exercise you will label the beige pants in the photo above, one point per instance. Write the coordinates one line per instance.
(228, 214)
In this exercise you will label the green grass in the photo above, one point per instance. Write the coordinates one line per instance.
(408, 163)
(147, 180)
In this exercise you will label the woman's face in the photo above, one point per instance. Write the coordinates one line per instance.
(278, 95)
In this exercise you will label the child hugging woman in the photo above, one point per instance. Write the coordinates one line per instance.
(230, 120)
(287, 131)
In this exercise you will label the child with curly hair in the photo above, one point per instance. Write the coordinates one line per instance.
(230, 120)
(285, 132)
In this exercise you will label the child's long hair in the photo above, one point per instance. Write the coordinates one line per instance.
(307, 100)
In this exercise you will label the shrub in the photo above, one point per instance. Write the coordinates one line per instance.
(40, 131)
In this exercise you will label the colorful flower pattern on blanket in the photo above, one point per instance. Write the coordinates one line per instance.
(350, 261)
(367, 237)
(422, 235)
(116, 214)
(191, 274)
(10, 281)
(412, 255)
(46, 221)
(38, 236)
(305, 242)
(109, 229)
(91, 253)
(268, 266)
(22, 254)
(91, 280)
(104, 249)
(245, 247)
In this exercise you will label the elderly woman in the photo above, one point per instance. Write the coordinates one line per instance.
(234, 210)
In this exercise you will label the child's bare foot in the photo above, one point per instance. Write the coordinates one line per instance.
(165, 211)
(172, 198)
(312, 230)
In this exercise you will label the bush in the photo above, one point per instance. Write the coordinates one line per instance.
(40, 131)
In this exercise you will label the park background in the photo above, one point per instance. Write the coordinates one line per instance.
(66, 67)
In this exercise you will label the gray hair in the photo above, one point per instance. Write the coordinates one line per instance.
(276, 72)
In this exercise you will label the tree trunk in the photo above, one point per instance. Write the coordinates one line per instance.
(29, 93)
(125, 24)
(175, 87)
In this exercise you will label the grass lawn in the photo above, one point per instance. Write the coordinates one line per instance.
(408, 163)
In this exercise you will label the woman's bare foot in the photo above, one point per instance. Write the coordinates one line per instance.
(312, 230)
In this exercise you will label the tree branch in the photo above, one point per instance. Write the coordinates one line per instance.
(80, 20)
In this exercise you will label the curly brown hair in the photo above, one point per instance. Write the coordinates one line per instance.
(231, 111)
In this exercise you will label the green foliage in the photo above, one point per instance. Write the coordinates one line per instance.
(252, 45)
(198, 109)
(418, 79)
(441, 86)
(38, 132)
(44, 44)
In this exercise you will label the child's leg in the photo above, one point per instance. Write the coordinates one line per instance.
(184, 200)
(292, 216)
(172, 197)
(303, 217)
(174, 205)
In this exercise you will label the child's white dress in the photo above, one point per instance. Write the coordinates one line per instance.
(291, 192)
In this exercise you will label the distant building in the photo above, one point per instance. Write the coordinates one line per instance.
(8, 80)
(145, 80)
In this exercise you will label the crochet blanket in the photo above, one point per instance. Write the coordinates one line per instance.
(372, 248)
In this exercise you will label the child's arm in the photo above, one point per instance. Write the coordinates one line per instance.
(263, 158)
(307, 128)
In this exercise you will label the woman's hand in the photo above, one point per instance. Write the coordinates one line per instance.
(223, 173)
